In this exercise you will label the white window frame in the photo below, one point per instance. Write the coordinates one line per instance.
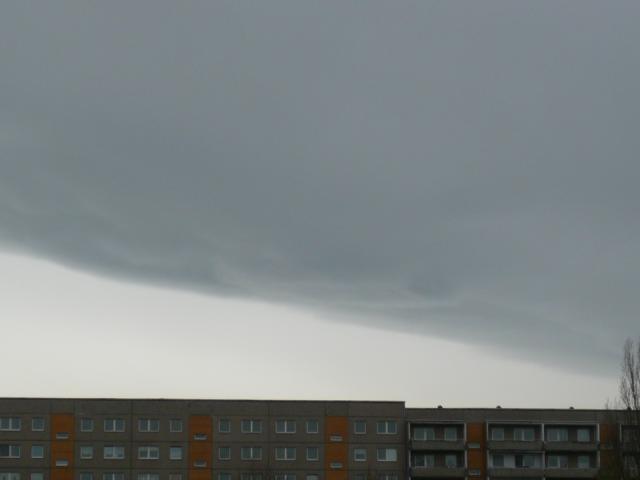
(312, 458)
(286, 454)
(557, 434)
(224, 448)
(387, 452)
(428, 460)
(176, 425)
(110, 452)
(114, 425)
(9, 476)
(36, 476)
(175, 476)
(582, 457)
(62, 462)
(10, 424)
(41, 447)
(87, 425)
(285, 426)
(86, 448)
(148, 476)
(35, 420)
(173, 450)
(255, 453)
(357, 423)
(113, 476)
(284, 476)
(148, 425)
(224, 476)
(312, 422)
(13, 450)
(254, 424)
(426, 437)
(363, 454)
(387, 427)
(224, 421)
(86, 475)
(524, 431)
(494, 434)
(500, 464)
(146, 452)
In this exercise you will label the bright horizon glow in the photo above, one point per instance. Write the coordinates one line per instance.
(72, 334)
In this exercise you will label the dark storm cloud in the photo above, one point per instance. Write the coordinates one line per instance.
(465, 170)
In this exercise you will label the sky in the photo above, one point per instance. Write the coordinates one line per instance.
(426, 201)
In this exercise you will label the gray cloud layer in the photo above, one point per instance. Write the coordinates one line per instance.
(467, 170)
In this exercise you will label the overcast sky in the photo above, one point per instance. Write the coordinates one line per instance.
(332, 199)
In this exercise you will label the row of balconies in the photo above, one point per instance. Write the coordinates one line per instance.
(505, 445)
(462, 472)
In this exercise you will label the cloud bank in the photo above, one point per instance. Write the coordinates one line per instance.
(465, 171)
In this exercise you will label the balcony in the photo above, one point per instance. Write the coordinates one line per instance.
(515, 445)
(571, 446)
(517, 472)
(437, 445)
(438, 472)
(571, 472)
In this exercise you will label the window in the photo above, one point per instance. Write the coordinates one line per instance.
(474, 472)
(86, 476)
(426, 460)
(388, 476)
(312, 476)
(148, 425)
(200, 463)
(175, 425)
(37, 451)
(526, 461)
(113, 452)
(36, 476)
(148, 453)
(224, 425)
(450, 461)
(387, 455)
(313, 454)
(9, 451)
(424, 433)
(113, 476)
(523, 434)
(387, 427)
(251, 426)
(251, 453)
(285, 453)
(284, 476)
(200, 436)
(148, 476)
(224, 453)
(62, 435)
(114, 425)
(584, 435)
(451, 434)
(497, 461)
(10, 424)
(37, 424)
(557, 435)
(86, 425)
(63, 462)
(557, 461)
(175, 476)
(285, 426)
(584, 461)
(224, 476)
(175, 453)
(335, 465)
(497, 433)
(360, 454)
(312, 426)
(86, 452)
(9, 476)
(360, 427)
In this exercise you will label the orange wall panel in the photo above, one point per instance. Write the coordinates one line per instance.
(336, 426)
(62, 422)
(200, 474)
(475, 433)
(336, 452)
(200, 424)
(62, 449)
(336, 475)
(62, 474)
(608, 433)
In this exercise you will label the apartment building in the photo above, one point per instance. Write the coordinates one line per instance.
(114, 439)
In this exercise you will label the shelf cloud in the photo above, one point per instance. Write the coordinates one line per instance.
(465, 171)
